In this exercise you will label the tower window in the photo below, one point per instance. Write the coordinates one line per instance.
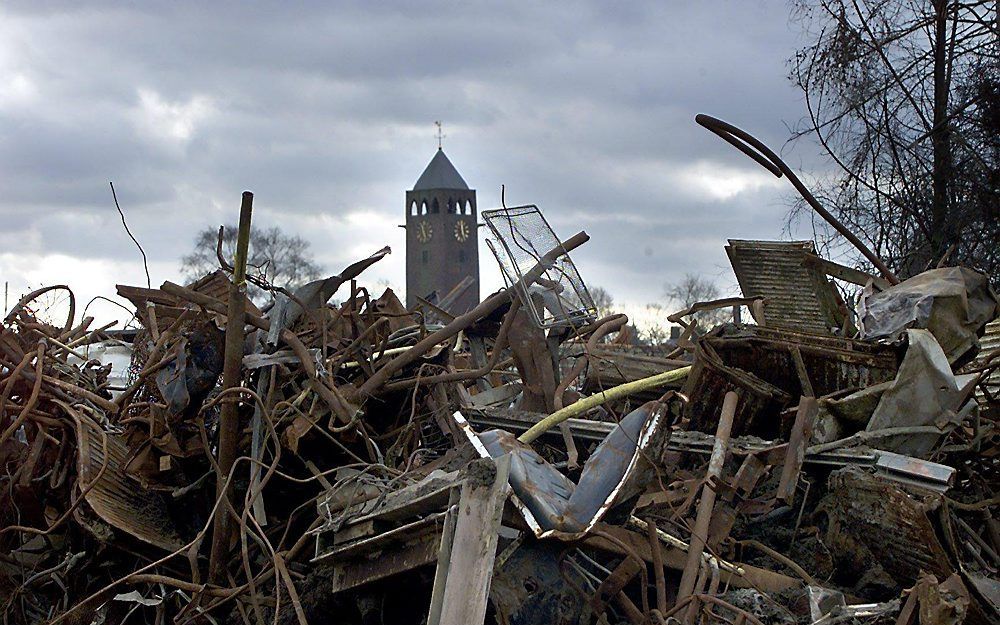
(413, 208)
(435, 207)
(468, 208)
(425, 257)
(423, 208)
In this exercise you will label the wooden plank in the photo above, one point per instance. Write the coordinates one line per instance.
(847, 274)
(432, 500)
(401, 534)
(356, 572)
(470, 566)
(795, 455)
(443, 559)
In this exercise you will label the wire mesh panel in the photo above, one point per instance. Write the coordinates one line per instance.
(521, 237)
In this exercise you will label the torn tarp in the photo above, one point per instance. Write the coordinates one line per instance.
(925, 392)
(954, 303)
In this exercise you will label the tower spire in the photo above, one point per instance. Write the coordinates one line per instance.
(440, 135)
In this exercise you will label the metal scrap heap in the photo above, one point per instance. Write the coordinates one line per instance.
(360, 463)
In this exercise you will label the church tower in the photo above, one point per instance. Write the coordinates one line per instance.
(442, 249)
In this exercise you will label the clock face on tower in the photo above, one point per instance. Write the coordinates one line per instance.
(424, 232)
(461, 231)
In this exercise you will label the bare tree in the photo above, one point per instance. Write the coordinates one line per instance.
(904, 97)
(275, 257)
(604, 301)
(690, 290)
(655, 328)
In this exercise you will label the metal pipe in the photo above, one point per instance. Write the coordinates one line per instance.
(699, 535)
(585, 404)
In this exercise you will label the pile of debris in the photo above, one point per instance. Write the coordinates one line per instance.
(309, 462)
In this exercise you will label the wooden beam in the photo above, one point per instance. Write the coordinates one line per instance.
(466, 587)
(796, 452)
(847, 274)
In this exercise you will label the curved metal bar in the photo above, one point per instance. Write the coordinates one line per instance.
(605, 326)
(746, 143)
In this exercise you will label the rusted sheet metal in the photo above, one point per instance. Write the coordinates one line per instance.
(116, 498)
(832, 363)
(710, 379)
(534, 364)
(760, 364)
(797, 293)
(925, 392)
(869, 519)
(914, 471)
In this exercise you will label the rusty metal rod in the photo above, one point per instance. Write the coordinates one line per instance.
(612, 323)
(744, 141)
(487, 306)
(700, 532)
(229, 420)
(661, 583)
(499, 344)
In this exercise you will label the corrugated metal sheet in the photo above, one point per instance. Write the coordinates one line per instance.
(988, 343)
(776, 270)
(116, 498)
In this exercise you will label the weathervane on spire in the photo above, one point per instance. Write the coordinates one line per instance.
(440, 135)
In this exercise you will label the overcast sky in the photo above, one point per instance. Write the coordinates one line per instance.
(325, 111)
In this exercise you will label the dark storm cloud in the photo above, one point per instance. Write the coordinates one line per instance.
(325, 111)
